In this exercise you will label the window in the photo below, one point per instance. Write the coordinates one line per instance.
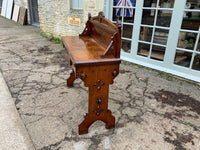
(0, 3)
(77, 4)
(124, 10)
(161, 34)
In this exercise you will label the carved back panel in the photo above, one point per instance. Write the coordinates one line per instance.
(102, 33)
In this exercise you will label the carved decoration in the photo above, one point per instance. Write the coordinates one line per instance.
(95, 57)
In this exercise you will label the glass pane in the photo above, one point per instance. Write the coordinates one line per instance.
(162, 3)
(196, 62)
(164, 18)
(198, 46)
(80, 5)
(191, 20)
(143, 49)
(129, 15)
(161, 36)
(126, 46)
(150, 3)
(126, 3)
(76, 4)
(125, 12)
(192, 4)
(127, 31)
(115, 16)
(187, 40)
(158, 52)
(166, 3)
(183, 58)
(146, 34)
(148, 17)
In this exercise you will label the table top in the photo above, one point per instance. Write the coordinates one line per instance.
(84, 50)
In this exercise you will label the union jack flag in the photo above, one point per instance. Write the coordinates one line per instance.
(128, 12)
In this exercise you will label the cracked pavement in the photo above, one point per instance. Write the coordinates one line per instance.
(151, 112)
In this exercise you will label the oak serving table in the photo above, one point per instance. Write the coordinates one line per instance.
(95, 58)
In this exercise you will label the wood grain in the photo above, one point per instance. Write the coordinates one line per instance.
(15, 15)
(22, 16)
(95, 58)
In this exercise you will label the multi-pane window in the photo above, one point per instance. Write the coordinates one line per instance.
(77, 4)
(189, 42)
(124, 10)
(162, 34)
(154, 30)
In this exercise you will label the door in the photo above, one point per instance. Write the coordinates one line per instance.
(1, 4)
(154, 33)
(9, 9)
(33, 10)
(4, 7)
(188, 46)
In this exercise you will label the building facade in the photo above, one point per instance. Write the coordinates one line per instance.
(161, 34)
(54, 15)
(164, 34)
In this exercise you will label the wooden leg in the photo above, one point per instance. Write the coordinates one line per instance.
(85, 124)
(110, 120)
(97, 79)
(89, 119)
(98, 108)
(71, 79)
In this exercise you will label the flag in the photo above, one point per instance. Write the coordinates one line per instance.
(128, 12)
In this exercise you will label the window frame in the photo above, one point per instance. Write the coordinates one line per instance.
(77, 4)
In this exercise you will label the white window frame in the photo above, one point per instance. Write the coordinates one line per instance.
(167, 65)
(77, 4)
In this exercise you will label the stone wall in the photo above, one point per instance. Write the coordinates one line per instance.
(21, 3)
(54, 14)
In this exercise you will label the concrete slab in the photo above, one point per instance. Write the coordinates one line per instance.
(13, 134)
(151, 111)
